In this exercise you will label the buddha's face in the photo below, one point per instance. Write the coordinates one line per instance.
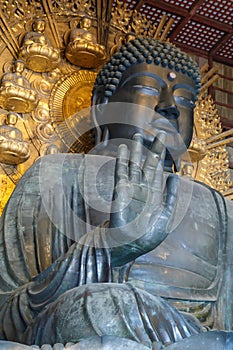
(39, 26)
(153, 99)
(19, 66)
(11, 119)
(85, 23)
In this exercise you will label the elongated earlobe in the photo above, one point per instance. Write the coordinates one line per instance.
(176, 165)
(105, 137)
(98, 101)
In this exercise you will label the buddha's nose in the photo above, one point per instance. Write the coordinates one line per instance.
(169, 112)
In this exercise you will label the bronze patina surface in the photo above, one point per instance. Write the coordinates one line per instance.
(114, 244)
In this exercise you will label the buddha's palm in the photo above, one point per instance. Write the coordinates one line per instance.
(143, 208)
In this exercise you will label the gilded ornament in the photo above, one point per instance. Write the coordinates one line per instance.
(7, 187)
(140, 25)
(83, 49)
(45, 131)
(197, 150)
(42, 86)
(16, 93)
(49, 148)
(82, 7)
(121, 16)
(53, 76)
(211, 169)
(41, 113)
(70, 95)
(13, 149)
(37, 51)
(18, 10)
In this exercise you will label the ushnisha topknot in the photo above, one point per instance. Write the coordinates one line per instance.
(145, 50)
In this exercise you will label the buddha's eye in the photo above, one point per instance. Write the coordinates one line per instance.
(185, 101)
(146, 90)
(184, 97)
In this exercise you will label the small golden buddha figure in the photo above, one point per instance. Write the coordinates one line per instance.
(47, 149)
(197, 149)
(52, 149)
(187, 170)
(37, 51)
(16, 93)
(83, 49)
(13, 150)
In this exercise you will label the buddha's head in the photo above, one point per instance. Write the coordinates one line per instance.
(19, 66)
(39, 25)
(85, 23)
(147, 86)
(52, 149)
(11, 118)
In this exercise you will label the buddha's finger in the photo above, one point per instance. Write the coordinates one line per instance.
(172, 188)
(121, 172)
(156, 194)
(152, 160)
(135, 167)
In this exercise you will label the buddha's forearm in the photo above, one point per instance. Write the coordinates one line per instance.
(82, 264)
(22, 305)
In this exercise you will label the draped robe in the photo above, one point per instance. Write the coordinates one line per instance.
(51, 243)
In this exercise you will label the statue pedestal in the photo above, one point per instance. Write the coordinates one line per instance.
(40, 58)
(85, 55)
(17, 99)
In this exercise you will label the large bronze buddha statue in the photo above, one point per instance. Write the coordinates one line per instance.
(113, 244)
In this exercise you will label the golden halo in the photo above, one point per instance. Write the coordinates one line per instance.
(70, 95)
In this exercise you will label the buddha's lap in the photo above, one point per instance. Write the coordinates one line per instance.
(110, 309)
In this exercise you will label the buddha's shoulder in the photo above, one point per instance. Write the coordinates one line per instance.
(65, 161)
(198, 190)
(52, 168)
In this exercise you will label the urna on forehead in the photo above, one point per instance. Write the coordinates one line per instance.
(150, 51)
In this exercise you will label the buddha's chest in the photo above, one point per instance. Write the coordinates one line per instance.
(188, 264)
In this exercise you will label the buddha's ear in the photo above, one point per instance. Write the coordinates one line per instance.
(98, 101)
(98, 96)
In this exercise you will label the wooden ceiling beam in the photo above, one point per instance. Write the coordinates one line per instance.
(103, 12)
(186, 17)
(138, 5)
(195, 6)
(190, 49)
(220, 43)
(167, 7)
(223, 60)
(194, 51)
(179, 27)
(190, 14)
(212, 23)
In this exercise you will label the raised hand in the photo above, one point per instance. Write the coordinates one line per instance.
(143, 208)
